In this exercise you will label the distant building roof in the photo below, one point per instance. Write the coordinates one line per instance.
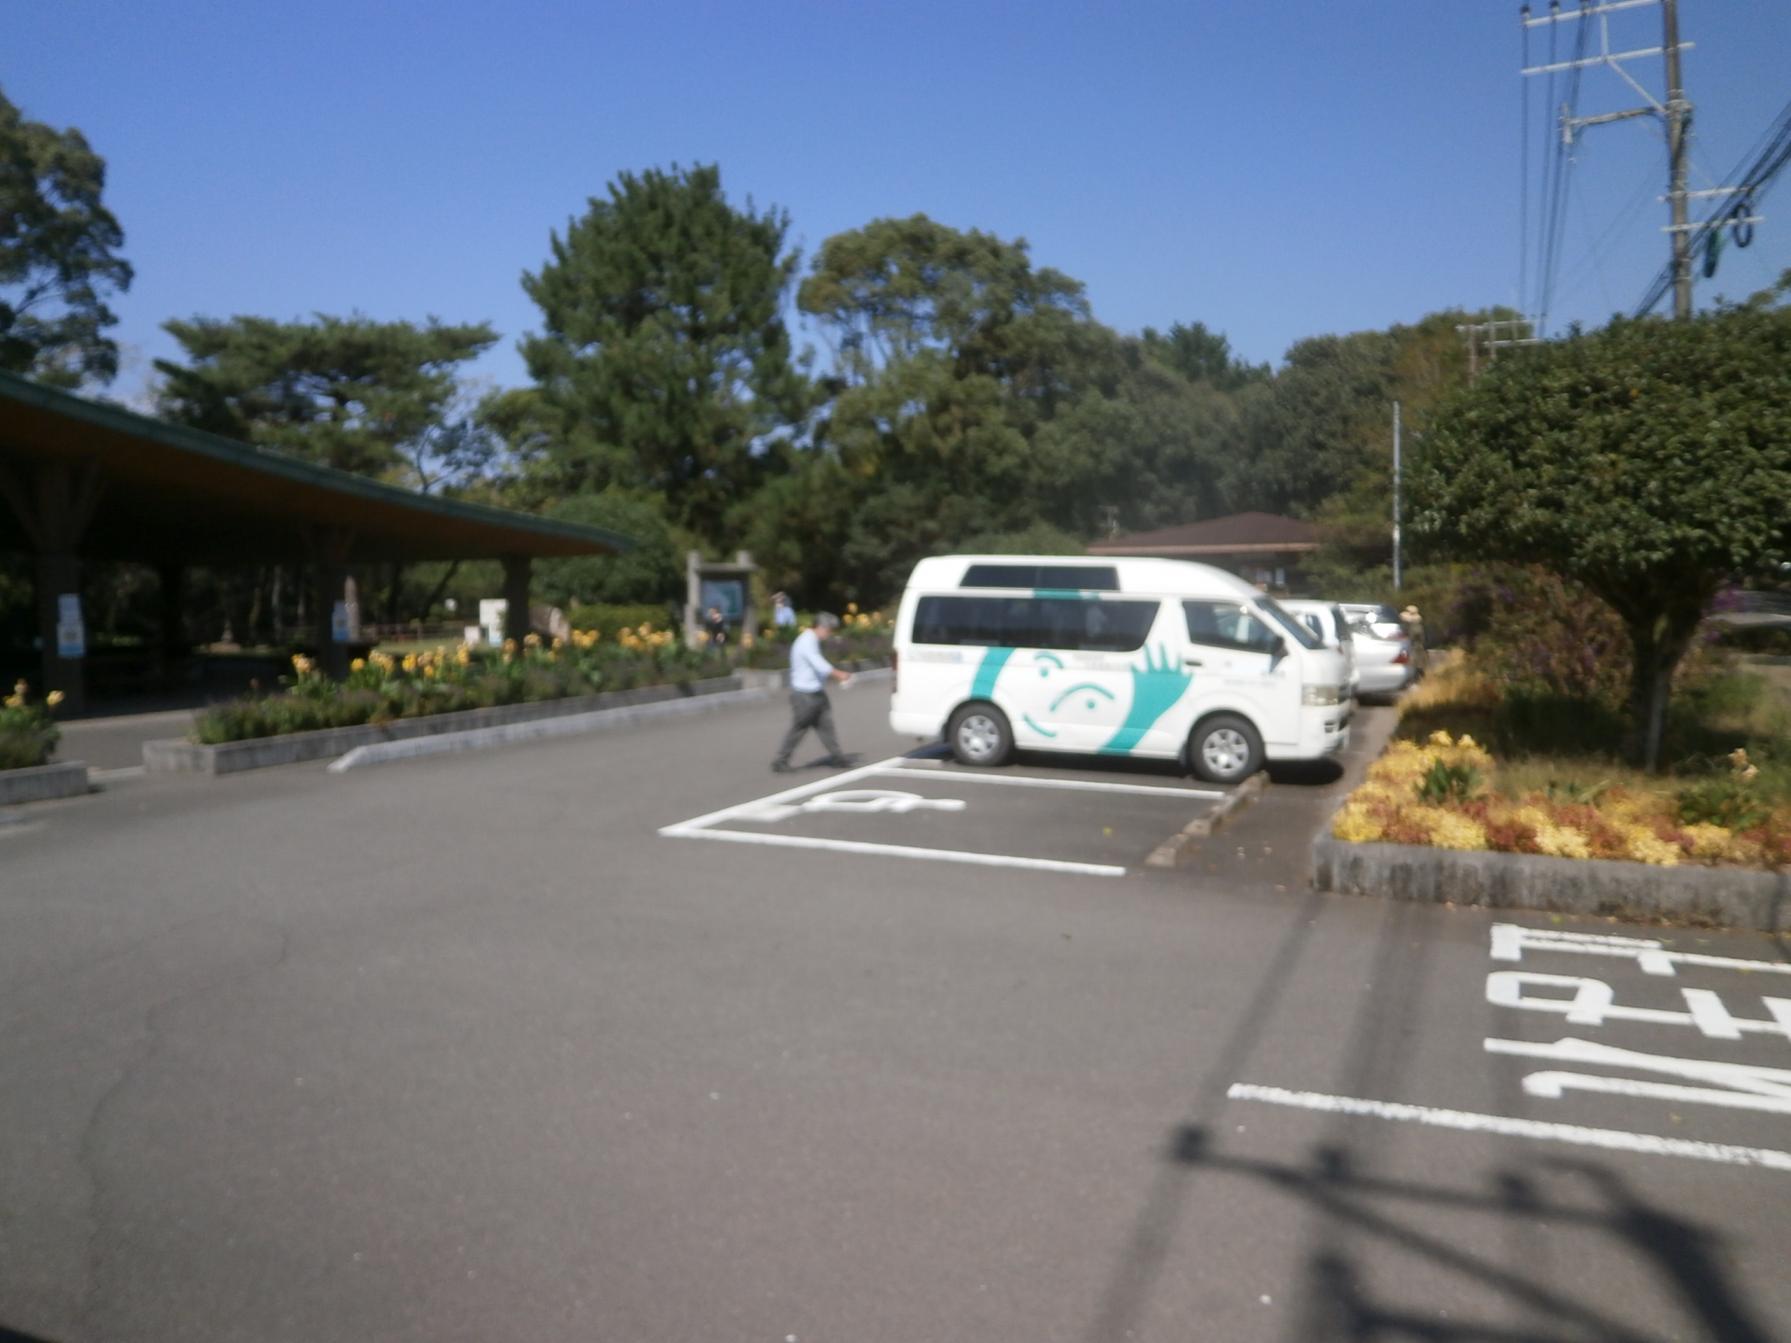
(1237, 534)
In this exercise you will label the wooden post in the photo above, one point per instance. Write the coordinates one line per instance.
(330, 548)
(516, 597)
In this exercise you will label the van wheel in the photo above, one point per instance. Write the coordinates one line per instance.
(1225, 749)
(979, 735)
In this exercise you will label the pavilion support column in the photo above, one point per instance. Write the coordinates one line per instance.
(516, 597)
(54, 503)
(172, 648)
(330, 549)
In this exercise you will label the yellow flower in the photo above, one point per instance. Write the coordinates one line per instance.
(1708, 841)
(359, 664)
(1647, 847)
(1440, 738)
(1449, 829)
(410, 662)
(53, 698)
(14, 701)
(531, 640)
(1355, 825)
(851, 608)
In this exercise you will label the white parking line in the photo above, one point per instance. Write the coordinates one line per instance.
(895, 851)
(1079, 785)
(1543, 1130)
(706, 827)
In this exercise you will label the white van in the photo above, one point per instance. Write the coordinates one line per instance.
(1127, 657)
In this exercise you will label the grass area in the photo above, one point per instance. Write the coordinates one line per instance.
(1573, 748)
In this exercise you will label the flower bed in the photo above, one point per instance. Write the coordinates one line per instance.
(28, 734)
(383, 688)
(864, 637)
(1444, 793)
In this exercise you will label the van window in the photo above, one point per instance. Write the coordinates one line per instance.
(1229, 625)
(1058, 577)
(1034, 622)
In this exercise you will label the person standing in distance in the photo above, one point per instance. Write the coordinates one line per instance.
(810, 672)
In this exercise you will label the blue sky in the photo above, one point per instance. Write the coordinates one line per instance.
(1275, 170)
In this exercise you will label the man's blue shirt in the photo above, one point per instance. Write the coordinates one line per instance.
(808, 669)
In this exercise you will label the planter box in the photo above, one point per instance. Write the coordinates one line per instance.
(185, 757)
(39, 783)
(1709, 896)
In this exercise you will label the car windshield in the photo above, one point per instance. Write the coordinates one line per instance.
(1273, 610)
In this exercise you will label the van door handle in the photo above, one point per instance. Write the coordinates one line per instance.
(1193, 662)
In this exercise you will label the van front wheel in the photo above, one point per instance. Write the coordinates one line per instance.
(978, 734)
(1225, 749)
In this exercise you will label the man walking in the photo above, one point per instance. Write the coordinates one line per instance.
(809, 673)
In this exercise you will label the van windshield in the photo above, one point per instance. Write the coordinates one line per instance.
(1298, 629)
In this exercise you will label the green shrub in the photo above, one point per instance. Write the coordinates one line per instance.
(1445, 783)
(608, 620)
(28, 735)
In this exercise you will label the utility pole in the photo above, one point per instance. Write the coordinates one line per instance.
(1678, 118)
(1675, 113)
(1396, 573)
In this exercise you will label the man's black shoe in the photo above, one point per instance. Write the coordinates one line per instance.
(841, 761)
(779, 767)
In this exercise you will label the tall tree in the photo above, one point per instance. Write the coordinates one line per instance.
(1650, 461)
(377, 398)
(58, 255)
(664, 358)
(1200, 355)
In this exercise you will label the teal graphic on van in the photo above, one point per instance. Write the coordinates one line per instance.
(1155, 688)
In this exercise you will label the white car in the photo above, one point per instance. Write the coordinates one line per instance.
(1381, 621)
(1331, 624)
(1383, 666)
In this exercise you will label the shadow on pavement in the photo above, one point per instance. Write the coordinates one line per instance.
(1336, 1302)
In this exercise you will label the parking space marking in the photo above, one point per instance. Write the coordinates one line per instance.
(1080, 785)
(800, 800)
(1541, 1129)
(898, 851)
(1723, 1084)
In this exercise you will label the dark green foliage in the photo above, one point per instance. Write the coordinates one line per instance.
(664, 361)
(1650, 462)
(1726, 801)
(653, 571)
(58, 255)
(351, 393)
(1445, 783)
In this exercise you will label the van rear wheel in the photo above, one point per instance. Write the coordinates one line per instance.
(1225, 749)
(978, 734)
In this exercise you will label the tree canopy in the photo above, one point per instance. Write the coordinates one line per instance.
(58, 255)
(664, 362)
(1650, 461)
(348, 392)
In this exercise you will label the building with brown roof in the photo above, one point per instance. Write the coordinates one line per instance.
(1264, 548)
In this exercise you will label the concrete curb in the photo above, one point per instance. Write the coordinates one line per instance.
(1180, 847)
(42, 783)
(599, 720)
(185, 757)
(1703, 896)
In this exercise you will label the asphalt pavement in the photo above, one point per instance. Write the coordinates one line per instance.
(498, 1046)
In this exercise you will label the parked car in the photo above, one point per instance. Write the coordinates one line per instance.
(1329, 622)
(1128, 657)
(1381, 621)
(1384, 667)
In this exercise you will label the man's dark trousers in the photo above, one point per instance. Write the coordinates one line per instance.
(809, 709)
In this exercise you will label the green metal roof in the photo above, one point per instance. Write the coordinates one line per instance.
(173, 494)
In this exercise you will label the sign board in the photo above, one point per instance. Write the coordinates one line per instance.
(339, 623)
(492, 612)
(71, 630)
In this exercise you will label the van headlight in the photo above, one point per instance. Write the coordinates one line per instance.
(1321, 694)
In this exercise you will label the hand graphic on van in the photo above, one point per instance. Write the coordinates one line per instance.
(1156, 686)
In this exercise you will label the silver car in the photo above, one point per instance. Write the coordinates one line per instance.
(1384, 666)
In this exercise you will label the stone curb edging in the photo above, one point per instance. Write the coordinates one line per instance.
(41, 783)
(1179, 848)
(599, 720)
(1709, 896)
(185, 757)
